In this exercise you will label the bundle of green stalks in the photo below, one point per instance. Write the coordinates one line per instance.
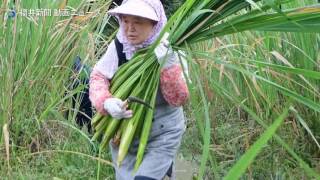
(193, 22)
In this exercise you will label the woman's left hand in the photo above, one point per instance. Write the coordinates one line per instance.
(165, 53)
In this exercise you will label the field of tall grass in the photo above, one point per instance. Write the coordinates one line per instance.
(253, 112)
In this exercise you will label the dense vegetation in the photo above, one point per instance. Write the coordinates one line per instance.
(254, 95)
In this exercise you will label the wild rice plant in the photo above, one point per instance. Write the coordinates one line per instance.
(37, 52)
(256, 74)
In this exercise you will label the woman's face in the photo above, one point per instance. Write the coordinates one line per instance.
(137, 29)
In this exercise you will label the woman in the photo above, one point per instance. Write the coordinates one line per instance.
(140, 24)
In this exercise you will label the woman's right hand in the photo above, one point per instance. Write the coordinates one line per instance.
(117, 108)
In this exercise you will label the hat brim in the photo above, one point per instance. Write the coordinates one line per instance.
(135, 9)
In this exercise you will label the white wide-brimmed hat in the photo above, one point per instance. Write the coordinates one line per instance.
(136, 8)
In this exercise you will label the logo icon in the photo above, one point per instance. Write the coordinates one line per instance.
(11, 13)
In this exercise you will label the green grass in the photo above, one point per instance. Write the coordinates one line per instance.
(248, 78)
(36, 56)
(240, 84)
(63, 153)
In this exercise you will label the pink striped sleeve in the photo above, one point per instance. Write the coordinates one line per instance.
(98, 90)
(173, 85)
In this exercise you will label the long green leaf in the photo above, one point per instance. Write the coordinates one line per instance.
(239, 168)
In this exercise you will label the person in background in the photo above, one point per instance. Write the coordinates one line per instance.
(141, 22)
